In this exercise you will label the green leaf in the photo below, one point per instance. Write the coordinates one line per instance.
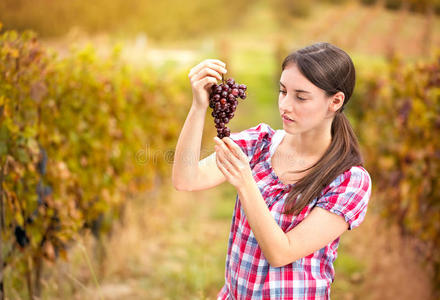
(3, 147)
(22, 156)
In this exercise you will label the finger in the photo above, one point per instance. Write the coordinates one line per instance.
(207, 81)
(232, 146)
(218, 141)
(235, 148)
(197, 68)
(222, 168)
(215, 61)
(201, 66)
(203, 70)
(207, 72)
(229, 159)
(221, 143)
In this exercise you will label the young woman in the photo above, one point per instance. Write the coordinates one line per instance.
(298, 188)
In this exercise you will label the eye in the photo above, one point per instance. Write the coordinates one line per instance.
(283, 92)
(299, 98)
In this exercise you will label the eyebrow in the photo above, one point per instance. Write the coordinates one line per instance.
(299, 91)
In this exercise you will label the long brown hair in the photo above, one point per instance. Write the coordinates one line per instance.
(332, 70)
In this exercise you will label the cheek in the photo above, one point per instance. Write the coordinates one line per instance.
(305, 111)
(311, 112)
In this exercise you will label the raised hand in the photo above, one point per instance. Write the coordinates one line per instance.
(202, 77)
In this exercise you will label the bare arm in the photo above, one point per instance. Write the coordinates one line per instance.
(189, 173)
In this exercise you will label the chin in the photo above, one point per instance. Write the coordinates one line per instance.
(289, 129)
(292, 129)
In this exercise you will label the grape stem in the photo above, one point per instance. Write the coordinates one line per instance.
(223, 79)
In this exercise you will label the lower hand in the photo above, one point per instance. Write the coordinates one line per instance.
(232, 162)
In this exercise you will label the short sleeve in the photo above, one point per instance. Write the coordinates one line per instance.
(348, 196)
(251, 140)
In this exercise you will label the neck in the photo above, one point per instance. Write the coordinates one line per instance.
(311, 144)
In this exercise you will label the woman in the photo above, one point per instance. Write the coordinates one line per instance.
(299, 188)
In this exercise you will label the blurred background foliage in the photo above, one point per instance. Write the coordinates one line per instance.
(91, 105)
(161, 20)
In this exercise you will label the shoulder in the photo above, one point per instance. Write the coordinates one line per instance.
(261, 128)
(348, 195)
(253, 139)
(258, 132)
(354, 180)
(356, 175)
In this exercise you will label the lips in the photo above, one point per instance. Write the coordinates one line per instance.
(287, 118)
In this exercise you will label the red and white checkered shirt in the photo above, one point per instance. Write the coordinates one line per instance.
(248, 275)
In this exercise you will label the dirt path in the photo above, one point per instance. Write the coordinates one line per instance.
(392, 269)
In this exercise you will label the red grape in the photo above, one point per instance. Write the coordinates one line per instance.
(223, 101)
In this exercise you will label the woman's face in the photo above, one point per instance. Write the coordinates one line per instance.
(302, 101)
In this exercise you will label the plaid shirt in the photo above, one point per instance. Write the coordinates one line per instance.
(248, 275)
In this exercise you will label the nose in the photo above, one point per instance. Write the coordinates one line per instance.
(284, 103)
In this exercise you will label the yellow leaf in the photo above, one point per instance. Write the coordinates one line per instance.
(14, 53)
(19, 219)
(63, 254)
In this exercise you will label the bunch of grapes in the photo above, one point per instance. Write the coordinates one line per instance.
(223, 101)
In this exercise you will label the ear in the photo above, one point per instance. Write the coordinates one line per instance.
(336, 101)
